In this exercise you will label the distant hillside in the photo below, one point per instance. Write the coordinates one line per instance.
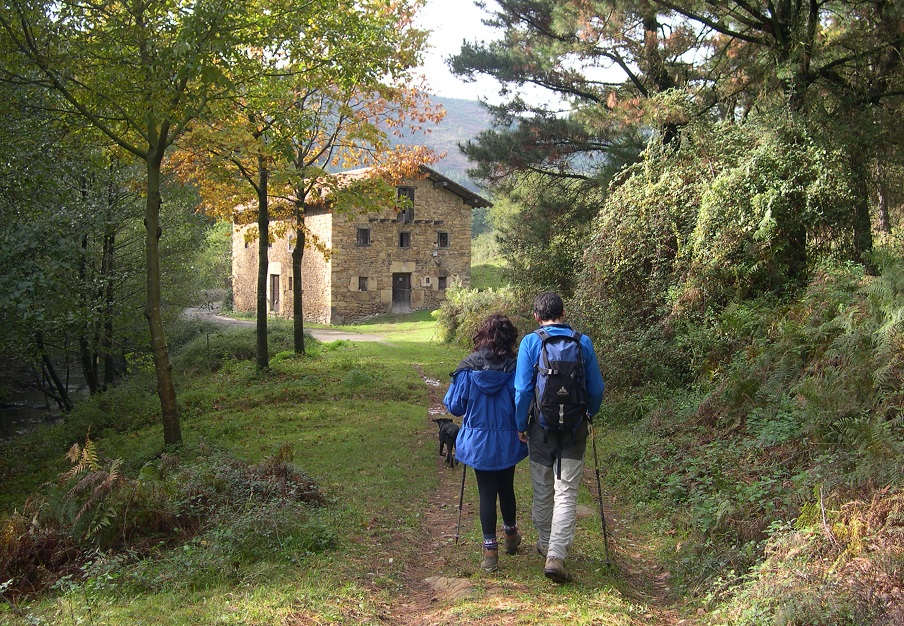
(464, 120)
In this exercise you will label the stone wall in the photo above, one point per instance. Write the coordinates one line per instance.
(316, 277)
(244, 269)
(436, 210)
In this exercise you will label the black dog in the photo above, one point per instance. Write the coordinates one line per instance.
(448, 432)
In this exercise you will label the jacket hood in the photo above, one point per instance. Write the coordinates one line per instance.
(487, 372)
(490, 382)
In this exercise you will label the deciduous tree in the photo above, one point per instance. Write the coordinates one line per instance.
(140, 72)
(327, 101)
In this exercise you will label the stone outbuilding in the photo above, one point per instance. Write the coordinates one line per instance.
(387, 262)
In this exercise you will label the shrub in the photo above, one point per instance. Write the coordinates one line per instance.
(739, 212)
(488, 276)
(32, 559)
(838, 565)
(184, 330)
(485, 249)
(463, 309)
(797, 393)
(259, 532)
(244, 511)
(209, 351)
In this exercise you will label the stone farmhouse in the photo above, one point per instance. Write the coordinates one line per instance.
(391, 261)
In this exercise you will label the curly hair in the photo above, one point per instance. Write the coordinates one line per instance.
(498, 334)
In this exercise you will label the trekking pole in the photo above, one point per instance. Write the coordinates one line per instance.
(461, 500)
(599, 494)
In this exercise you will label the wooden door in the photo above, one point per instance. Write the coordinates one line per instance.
(401, 293)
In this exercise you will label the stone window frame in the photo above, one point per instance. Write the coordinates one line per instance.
(363, 240)
(442, 239)
(406, 214)
(362, 283)
(404, 239)
(441, 283)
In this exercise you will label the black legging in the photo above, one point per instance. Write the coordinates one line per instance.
(489, 485)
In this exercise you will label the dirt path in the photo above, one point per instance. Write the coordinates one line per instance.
(428, 597)
(421, 604)
(320, 334)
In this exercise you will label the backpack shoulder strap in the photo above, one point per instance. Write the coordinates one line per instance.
(542, 363)
(578, 337)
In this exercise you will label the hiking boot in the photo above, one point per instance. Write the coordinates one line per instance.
(512, 542)
(490, 560)
(542, 548)
(555, 570)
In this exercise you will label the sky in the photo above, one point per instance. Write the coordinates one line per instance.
(451, 22)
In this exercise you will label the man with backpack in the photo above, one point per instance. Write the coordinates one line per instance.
(558, 388)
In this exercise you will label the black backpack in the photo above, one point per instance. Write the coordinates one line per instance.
(560, 388)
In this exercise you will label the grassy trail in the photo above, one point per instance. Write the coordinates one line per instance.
(357, 416)
(441, 582)
(444, 585)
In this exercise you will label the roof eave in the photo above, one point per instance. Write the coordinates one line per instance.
(469, 197)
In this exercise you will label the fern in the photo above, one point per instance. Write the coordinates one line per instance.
(91, 488)
(83, 459)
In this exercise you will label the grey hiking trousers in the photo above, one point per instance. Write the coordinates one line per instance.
(554, 509)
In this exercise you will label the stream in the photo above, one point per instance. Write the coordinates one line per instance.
(27, 409)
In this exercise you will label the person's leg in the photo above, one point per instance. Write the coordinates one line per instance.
(542, 478)
(561, 534)
(505, 485)
(487, 489)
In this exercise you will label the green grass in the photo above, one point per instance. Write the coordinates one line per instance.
(488, 276)
(355, 416)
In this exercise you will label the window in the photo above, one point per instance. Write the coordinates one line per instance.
(442, 240)
(274, 293)
(406, 204)
(441, 283)
(404, 240)
(290, 282)
(362, 283)
(363, 237)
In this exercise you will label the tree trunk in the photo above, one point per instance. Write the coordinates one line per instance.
(882, 199)
(89, 364)
(107, 335)
(166, 387)
(86, 354)
(263, 227)
(863, 232)
(297, 282)
(655, 69)
(61, 395)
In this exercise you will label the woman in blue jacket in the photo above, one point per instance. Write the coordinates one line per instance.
(483, 391)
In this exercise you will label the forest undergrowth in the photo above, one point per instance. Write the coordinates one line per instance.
(310, 493)
(769, 495)
(759, 446)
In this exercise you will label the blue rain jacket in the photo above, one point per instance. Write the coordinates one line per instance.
(483, 391)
